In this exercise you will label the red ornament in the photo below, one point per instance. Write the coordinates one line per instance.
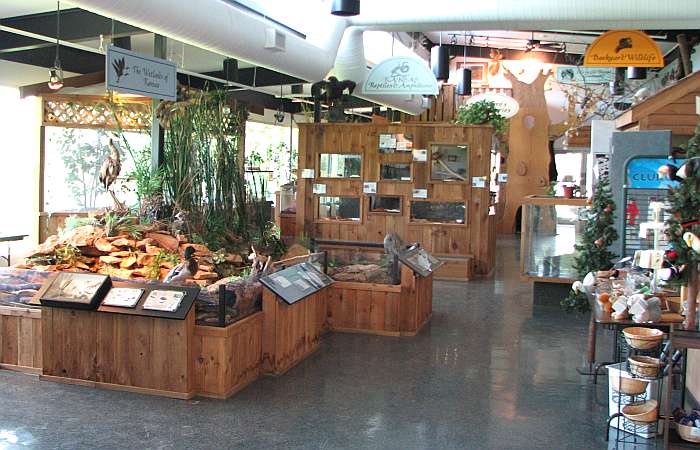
(671, 255)
(598, 243)
(607, 210)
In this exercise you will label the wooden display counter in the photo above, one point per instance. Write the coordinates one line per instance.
(227, 359)
(20, 339)
(291, 332)
(383, 309)
(148, 355)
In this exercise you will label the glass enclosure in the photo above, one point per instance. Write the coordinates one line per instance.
(288, 199)
(551, 228)
(385, 204)
(449, 162)
(438, 212)
(337, 165)
(339, 208)
(361, 265)
(395, 171)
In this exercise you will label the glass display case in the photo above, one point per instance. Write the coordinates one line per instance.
(395, 171)
(551, 226)
(387, 204)
(438, 212)
(288, 199)
(449, 162)
(360, 262)
(345, 209)
(339, 165)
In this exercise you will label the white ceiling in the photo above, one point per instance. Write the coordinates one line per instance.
(11, 8)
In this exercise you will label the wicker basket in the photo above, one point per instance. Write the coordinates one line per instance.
(643, 338)
(631, 386)
(644, 366)
(646, 412)
(685, 432)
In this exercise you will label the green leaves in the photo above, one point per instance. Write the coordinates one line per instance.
(482, 112)
(575, 302)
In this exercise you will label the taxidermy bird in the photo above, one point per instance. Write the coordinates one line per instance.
(184, 270)
(393, 244)
(109, 172)
(260, 263)
(690, 169)
(692, 241)
(669, 171)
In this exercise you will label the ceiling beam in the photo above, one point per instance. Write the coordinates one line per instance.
(259, 77)
(511, 54)
(33, 90)
(76, 25)
(72, 59)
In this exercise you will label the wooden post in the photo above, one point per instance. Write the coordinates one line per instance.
(691, 314)
(157, 133)
(684, 48)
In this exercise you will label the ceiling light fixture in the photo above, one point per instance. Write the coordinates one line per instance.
(440, 61)
(56, 73)
(464, 82)
(345, 8)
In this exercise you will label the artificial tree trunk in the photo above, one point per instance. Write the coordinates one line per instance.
(691, 313)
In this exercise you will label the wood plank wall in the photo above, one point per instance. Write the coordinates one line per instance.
(20, 339)
(470, 239)
(442, 108)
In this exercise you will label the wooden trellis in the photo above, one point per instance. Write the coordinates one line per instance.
(86, 111)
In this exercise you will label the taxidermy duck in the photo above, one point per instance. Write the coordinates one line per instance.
(184, 270)
(260, 263)
(109, 172)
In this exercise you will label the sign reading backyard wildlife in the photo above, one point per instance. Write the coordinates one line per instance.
(401, 75)
(623, 48)
(138, 74)
(508, 106)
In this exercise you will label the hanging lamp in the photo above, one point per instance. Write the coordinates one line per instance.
(440, 61)
(636, 73)
(56, 73)
(464, 80)
(345, 8)
(617, 87)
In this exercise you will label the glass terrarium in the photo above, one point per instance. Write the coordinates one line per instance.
(395, 171)
(361, 264)
(551, 226)
(288, 198)
(339, 165)
(339, 208)
(449, 162)
(438, 212)
(388, 204)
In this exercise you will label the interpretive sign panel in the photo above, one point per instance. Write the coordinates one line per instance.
(131, 72)
(296, 282)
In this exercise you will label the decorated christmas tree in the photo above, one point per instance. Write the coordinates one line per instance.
(683, 225)
(592, 252)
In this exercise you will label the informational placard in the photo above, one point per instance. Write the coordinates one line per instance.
(134, 73)
(307, 173)
(420, 155)
(319, 188)
(420, 261)
(585, 75)
(479, 182)
(387, 143)
(123, 297)
(502, 177)
(420, 193)
(369, 187)
(296, 282)
(75, 290)
(160, 300)
(390, 143)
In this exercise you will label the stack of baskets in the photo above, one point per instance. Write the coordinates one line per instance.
(642, 368)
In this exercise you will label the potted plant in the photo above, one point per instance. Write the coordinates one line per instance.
(570, 189)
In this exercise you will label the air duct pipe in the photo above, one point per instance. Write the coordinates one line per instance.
(448, 15)
(350, 64)
(222, 28)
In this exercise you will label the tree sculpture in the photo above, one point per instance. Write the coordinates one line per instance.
(592, 253)
(683, 226)
(333, 92)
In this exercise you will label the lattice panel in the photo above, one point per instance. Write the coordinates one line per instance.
(95, 112)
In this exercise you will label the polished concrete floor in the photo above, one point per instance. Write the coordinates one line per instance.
(495, 369)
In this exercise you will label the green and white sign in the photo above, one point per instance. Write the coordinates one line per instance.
(130, 72)
(401, 75)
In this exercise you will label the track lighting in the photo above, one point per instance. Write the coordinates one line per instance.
(56, 73)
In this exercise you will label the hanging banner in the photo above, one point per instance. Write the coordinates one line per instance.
(623, 48)
(585, 75)
(401, 75)
(643, 173)
(138, 74)
(508, 106)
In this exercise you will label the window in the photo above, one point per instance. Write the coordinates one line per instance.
(337, 165)
(395, 171)
(449, 162)
(72, 161)
(438, 212)
(385, 204)
(339, 208)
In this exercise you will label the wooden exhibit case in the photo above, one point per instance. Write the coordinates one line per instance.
(444, 213)
(20, 339)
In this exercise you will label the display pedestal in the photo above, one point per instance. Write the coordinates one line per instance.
(382, 309)
(291, 332)
(148, 355)
(20, 339)
(227, 359)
